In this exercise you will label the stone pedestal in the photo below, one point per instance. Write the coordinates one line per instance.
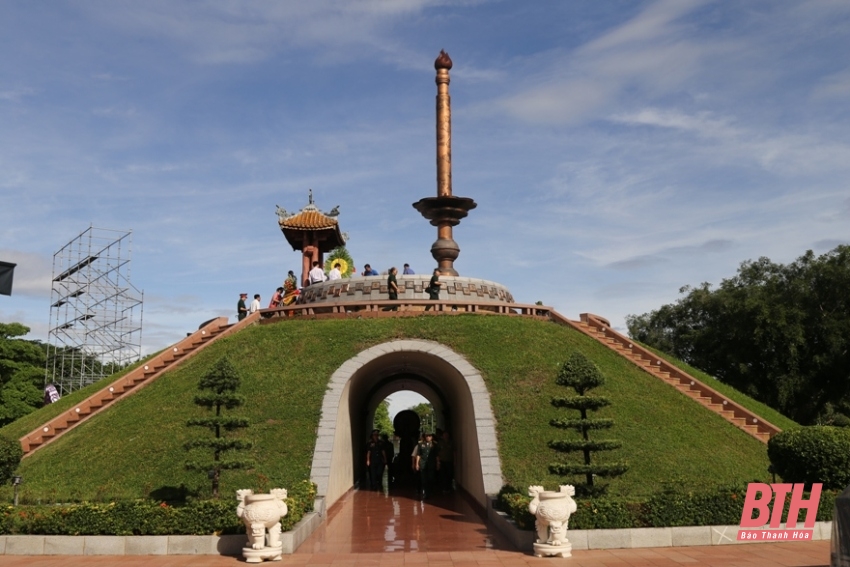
(549, 550)
(252, 555)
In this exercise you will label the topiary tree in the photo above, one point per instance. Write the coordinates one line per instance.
(582, 375)
(341, 255)
(218, 391)
(10, 457)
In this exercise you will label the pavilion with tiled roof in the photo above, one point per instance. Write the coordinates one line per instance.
(311, 231)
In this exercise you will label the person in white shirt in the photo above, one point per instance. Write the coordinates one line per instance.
(335, 274)
(255, 305)
(317, 275)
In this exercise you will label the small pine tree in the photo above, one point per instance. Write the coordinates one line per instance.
(582, 375)
(218, 390)
(346, 264)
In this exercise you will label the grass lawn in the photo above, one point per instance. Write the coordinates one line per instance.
(135, 446)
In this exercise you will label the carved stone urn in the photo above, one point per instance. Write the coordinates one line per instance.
(552, 510)
(261, 514)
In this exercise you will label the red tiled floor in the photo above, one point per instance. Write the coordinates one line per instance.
(375, 522)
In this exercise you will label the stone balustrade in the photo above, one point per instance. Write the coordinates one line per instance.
(411, 287)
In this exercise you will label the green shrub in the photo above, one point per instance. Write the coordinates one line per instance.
(714, 506)
(515, 505)
(719, 506)
(144, 517)
(10, 457)
(591, 514)
(812, 454)
(605, 513)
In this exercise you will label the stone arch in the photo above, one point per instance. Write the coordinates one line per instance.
(435, 368)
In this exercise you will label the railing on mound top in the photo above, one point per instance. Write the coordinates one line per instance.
(401, 307)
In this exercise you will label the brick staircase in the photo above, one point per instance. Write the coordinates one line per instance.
(742, 418)
(131, 382)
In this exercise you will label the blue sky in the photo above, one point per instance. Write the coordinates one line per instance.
(617, 150)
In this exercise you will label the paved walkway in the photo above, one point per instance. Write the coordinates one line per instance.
(377, 530)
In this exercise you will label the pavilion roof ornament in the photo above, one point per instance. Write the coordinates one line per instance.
(284, 215)
(310, 218)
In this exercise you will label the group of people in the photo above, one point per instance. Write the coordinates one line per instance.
(433, 289)
(432, 462)
(317, 274)
(289, 292)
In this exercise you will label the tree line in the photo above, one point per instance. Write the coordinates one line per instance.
(22, 370)
(778, 332)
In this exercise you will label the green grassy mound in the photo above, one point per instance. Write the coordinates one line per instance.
(135, 447)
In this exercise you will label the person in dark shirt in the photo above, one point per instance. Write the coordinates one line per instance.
(392, 287)
(241, 308)
(433, 288)
(389, 453)
(426, 462)
(376, 459)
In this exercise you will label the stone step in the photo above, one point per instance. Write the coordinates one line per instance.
(674, 377)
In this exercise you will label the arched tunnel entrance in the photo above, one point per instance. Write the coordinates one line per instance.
(454, 388)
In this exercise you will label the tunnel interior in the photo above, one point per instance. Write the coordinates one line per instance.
(453, 387)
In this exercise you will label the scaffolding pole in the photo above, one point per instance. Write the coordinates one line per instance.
(95, 312)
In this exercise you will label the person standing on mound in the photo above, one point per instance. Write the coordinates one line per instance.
(392, 287)
(317, 274)
(335, 274)
(241, 308)
(433, 288)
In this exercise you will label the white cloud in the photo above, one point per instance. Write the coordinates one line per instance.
(244, 32)
(33, 273)
(835, 86)
(651, 52)
(17, 94)
(778, 151)
(118, 111)
(653, 23)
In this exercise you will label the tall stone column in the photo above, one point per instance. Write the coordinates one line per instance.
(445, 210)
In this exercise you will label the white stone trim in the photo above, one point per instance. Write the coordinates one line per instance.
(684, 536)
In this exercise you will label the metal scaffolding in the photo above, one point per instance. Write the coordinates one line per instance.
(95, 312)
